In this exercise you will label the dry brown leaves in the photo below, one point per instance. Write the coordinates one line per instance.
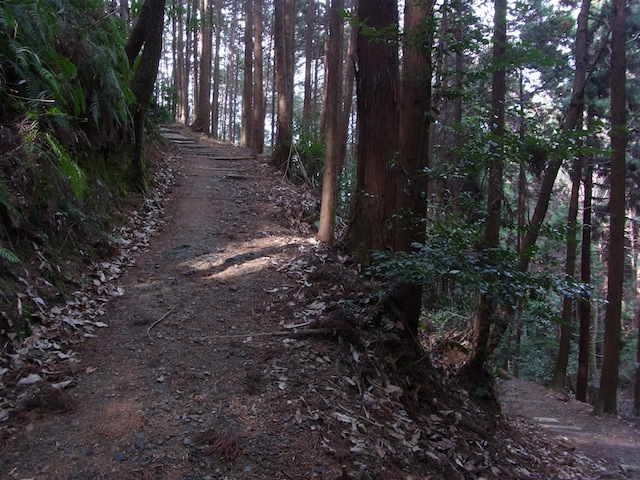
(394, 411)
(43, 363)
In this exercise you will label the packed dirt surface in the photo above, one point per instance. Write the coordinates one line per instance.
(571, 423)
(223, 343)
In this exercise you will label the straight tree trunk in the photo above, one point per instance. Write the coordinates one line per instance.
(584, 307)
(175, 20)
(258, 80)
(233, 97)
(148, 33)
(308, 60)
(559, 380)
(188, 65)
(606, 401)
(283, 31)
(413, 158)
(215, 102)
(195, 49)
(377, 85)
(231, 77)
(247, 83)
(484, 319)
(202, 122)
(347, 95)
(521, 213)
(332, 112)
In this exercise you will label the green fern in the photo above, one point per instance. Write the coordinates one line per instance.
(8, 255)
(69, 168)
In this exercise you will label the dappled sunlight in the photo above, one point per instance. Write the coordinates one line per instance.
(241, 258)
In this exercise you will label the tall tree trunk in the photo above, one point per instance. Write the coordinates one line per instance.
(570, 122)
(456, 183)
(148, 33)
(215, 103)
(247, 82)
(231, 76)
(475, 365)
(283, 31)
(414, 124)
(233, 97)
(332, 112)
(195, 49)
(258, 87)
(559, 380)
(377, 85)
(606, 401)
(308, 60)
(347, 95)
(202, 122)
(188, 65)
(584, 307)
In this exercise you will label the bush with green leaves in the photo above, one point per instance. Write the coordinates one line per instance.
(454, 269)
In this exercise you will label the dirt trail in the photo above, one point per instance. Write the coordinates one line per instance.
(163, 386)
(571, 424)
(193, 378)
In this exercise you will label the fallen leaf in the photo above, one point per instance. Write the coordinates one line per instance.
(30, 379)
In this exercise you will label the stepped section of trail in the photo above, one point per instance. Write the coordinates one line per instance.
(175, 387)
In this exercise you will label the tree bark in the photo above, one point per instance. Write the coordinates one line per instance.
(258, 80)
(584, 307)
(283, 32)
(308, 60)
(415, 119)
(149, 28)
(347, 95)
(486, 303)
(247, 83)
(215, 102)
(202, 122)
(377, 86)
(559, 380)
(332, 113)
(606, 401)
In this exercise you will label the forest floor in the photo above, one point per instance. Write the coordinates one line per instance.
(221, 342)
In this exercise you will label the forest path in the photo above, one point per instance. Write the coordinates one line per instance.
(200, 376)
(571, 423)
(175, 388)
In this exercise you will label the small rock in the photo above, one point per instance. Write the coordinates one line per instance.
(161, 379)
(85, 452)
(119, 457)
(187, 441)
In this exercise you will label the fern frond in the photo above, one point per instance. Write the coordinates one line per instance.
(69, 168)
(8, 255)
